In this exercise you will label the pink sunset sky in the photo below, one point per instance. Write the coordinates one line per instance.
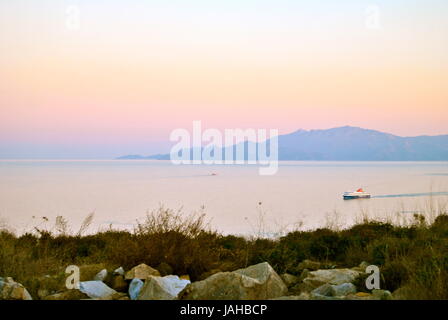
(122, 75)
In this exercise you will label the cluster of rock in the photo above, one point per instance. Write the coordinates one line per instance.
(315, 283)
(140, 283)
(257, 282)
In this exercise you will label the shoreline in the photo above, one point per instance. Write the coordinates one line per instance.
(184, 245)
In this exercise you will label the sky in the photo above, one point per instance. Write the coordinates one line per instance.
(104, 78)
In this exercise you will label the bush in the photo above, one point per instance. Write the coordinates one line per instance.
(413, 257)
(394, 275)
(186, 243)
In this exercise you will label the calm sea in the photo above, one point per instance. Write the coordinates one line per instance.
(237, 200)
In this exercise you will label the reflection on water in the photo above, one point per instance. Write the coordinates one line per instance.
(302, 192)
(406, 195)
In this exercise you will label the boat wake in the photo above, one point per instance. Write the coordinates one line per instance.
(407, 195)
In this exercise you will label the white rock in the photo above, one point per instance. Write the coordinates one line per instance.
(119, 271)
(96, 290)
(100, 276)
(135, 287)
(162, 288)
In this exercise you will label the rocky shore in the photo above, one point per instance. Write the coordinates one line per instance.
(183, 259)
(256, 282)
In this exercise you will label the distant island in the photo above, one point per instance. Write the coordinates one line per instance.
(349, 144)
(139, 157)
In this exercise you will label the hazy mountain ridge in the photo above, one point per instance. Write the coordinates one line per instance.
(352, 144)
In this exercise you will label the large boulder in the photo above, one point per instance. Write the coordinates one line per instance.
(11, 290)
(162, 288)
(142, 271)
(97, 290)
(331, 276)
(257, 282)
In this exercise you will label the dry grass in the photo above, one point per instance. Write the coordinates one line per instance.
(413, 256)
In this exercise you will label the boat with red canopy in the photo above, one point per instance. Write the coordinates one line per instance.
(358, 194)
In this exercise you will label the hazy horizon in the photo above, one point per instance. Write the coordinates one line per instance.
(164, 149)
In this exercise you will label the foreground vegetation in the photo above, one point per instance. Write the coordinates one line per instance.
(414, 257)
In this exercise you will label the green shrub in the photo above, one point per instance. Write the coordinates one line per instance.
(413, 257)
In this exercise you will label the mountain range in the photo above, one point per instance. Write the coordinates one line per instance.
(351, 144)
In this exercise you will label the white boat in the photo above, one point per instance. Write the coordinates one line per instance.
(358, 194)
